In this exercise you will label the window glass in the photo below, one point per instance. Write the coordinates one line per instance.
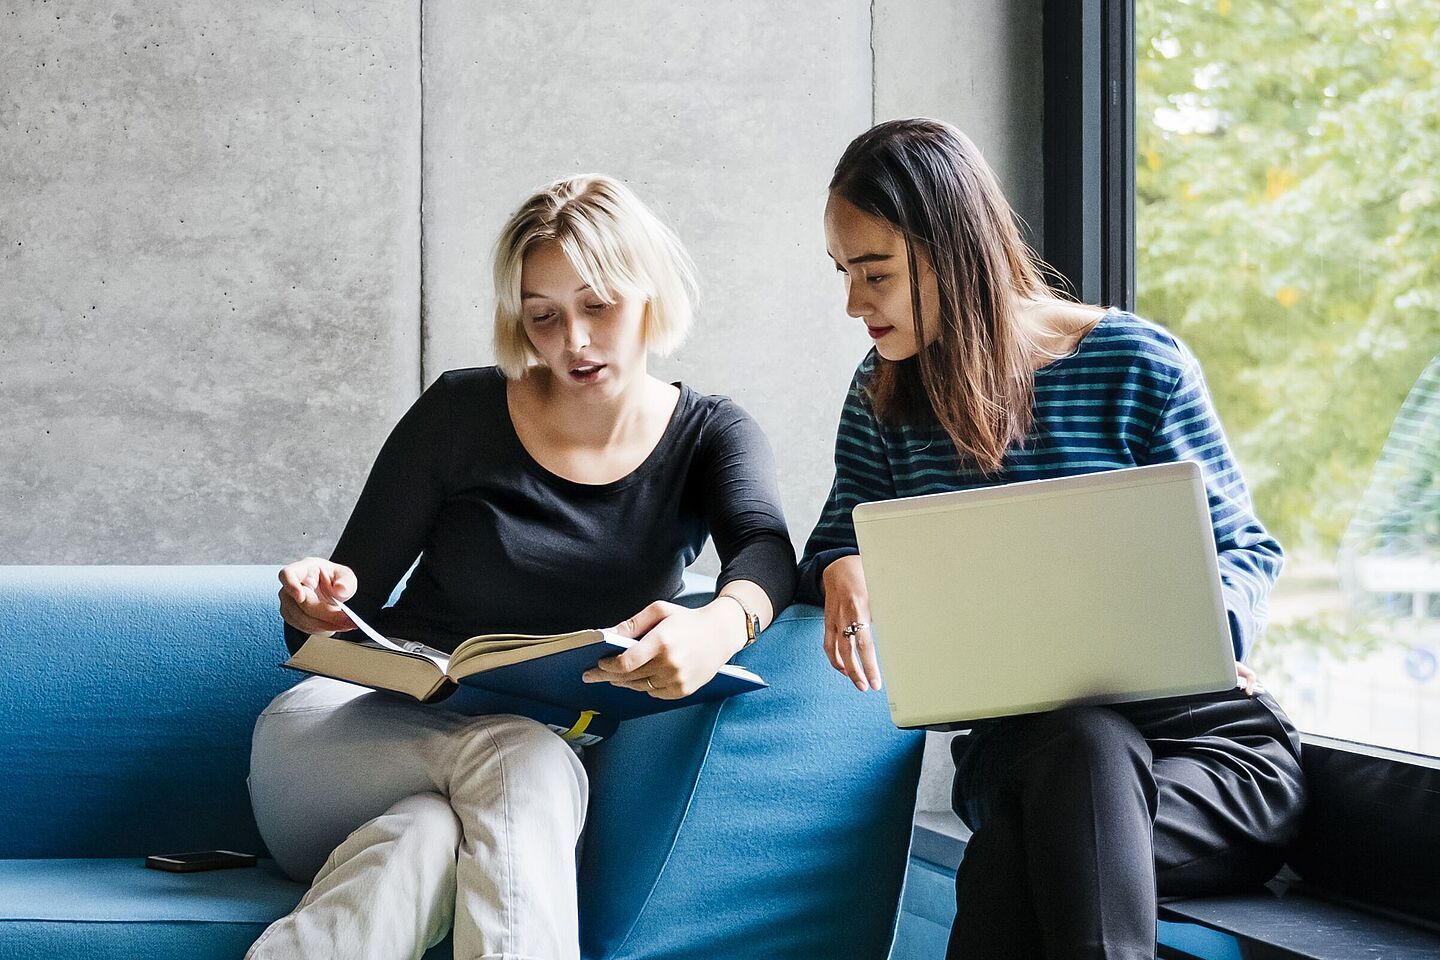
(1288, 229)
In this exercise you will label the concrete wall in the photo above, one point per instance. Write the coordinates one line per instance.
(989, 82)
(209, 272)
(211, 230)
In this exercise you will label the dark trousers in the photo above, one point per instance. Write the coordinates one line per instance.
(1084, 817)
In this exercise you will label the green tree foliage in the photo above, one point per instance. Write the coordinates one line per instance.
(1288, 218)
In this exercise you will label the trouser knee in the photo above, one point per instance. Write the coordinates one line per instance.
(426, 823)
(533, 762)
(422, 830)
(1079, 751)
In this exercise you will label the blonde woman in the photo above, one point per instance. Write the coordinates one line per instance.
(563, 488)
(982, 375)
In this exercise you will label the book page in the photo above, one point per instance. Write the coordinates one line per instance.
(499, 642)
(735, 670)
(438, 657)
(514, 647)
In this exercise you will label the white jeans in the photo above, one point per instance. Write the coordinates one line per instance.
(408, 817)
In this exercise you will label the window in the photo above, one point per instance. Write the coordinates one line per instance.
(1287, 227)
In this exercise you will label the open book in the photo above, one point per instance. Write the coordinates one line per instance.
(534, 676)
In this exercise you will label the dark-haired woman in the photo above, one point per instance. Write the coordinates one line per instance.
(983, 374)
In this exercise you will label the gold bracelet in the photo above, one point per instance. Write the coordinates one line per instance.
(752, 622)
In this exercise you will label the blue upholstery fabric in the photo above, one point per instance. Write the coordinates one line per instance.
(117, 909)
(128, 698)
(128, 703)
(760, 838)
(121, 889)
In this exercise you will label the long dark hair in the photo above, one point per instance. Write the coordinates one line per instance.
(929, 181)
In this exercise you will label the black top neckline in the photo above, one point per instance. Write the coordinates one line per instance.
(647, 466)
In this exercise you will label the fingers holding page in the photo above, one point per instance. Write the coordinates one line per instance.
(309, 589)
(647, 619)
(679, 649)
(642, 626)
(633, 668)
(625, 667)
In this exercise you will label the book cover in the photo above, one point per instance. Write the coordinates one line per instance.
(557, 679)
(537, 677)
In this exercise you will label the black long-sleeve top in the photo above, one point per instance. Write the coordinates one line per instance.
(504, 545)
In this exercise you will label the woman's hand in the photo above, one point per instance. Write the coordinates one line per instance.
(308, 589)
(680, 649)
(1245, 677)
(847, 601)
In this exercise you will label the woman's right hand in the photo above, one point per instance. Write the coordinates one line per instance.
(847, 601)
(308, 589)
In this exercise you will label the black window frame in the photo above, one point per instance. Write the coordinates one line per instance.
(1089, 147)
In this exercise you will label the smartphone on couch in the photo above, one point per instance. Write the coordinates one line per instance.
(201, 860)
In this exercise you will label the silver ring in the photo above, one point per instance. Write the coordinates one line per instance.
(854, 627)
(650, 683)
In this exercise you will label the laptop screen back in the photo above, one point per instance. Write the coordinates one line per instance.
(1030, 596)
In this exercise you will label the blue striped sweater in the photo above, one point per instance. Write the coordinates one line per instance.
(1131, 394)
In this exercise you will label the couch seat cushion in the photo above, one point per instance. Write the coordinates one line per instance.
(116, 908)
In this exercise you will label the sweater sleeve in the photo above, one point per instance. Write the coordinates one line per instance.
(399, 502)
(862, 474)
(742, 506)
(1250, 558)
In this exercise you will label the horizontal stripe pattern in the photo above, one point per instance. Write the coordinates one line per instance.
(1130, 395)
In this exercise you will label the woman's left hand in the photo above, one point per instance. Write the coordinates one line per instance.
(1245, 677)
(680, 649)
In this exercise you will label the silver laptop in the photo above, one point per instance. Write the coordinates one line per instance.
(1025, 597)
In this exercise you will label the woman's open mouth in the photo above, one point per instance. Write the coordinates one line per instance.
(587, 372)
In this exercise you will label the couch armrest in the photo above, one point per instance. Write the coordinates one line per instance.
(745, 828)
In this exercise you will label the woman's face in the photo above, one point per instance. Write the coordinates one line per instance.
(870, 252)
(588, 345)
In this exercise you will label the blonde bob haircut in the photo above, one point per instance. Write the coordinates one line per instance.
(616, 245)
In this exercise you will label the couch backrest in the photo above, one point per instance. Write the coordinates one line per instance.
(126, 703)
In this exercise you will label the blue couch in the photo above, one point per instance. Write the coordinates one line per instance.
(773, 825)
